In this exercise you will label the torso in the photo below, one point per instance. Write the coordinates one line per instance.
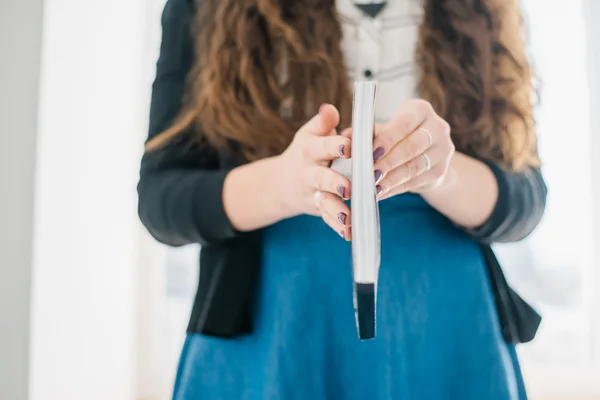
(437, 331)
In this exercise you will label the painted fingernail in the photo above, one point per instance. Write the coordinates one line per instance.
(378, 175)
(322, 107)
(341, 149)
(342, 218)
(378, 189)
(341, 191)
(378, 153)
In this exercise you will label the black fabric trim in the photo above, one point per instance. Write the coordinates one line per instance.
(228, 280)
(519, 322)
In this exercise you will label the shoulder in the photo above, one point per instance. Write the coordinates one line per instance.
(178, 11)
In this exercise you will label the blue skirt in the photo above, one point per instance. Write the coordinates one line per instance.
(438, 335)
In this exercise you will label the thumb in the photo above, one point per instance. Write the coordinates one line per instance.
(324, 122)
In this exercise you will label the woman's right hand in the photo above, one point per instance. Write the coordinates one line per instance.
(310, 185)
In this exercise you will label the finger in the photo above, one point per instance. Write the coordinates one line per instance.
(429, 179)
(379, 128)
(348, 131)
(332, 132)
(335, 213)
(411, 115)
(428, 134)
(328, 148)
(327, 180)
(412, 169)
(335, 209)
(321, 124)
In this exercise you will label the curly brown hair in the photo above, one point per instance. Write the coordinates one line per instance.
(263, 67)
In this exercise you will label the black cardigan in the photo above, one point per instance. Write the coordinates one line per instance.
(180, 201)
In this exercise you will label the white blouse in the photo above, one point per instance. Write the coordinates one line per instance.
(382, 49)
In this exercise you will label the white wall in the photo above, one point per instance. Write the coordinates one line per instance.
(592, 13)
(20, 45)
(93, 113)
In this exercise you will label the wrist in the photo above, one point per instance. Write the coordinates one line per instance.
(280, 187)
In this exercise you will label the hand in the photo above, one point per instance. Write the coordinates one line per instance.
(412, 151)
(310, 186)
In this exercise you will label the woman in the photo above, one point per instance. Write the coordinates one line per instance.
(249, 108)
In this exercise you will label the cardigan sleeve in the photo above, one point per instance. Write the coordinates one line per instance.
(180, 185)
(519, 209)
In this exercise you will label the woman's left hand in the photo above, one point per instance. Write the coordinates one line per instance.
(412, 151)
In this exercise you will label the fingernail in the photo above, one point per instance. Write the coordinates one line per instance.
(378, 190)
(341, 149)
(378, 153)
(341, 191)
(322, 107)
(342, 218)
(378, 175)
(343, 235)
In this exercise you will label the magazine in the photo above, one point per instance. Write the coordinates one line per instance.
(366, 246)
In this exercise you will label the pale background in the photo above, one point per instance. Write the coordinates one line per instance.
(92, 308)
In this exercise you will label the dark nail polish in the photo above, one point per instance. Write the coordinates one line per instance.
(341, 191)
(342, 218)
(378, 190)
(378, 153)
(378, 175)
(341, 149)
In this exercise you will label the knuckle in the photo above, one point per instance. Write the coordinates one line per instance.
(444, 126)
(451, 147)
(423, 106)
(451, 150)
